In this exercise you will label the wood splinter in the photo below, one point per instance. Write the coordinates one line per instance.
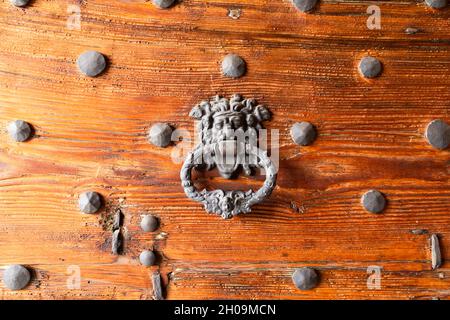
(436, 259)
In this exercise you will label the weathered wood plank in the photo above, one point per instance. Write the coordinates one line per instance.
(91, 134)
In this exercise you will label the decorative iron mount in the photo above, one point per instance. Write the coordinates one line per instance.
(229, 134)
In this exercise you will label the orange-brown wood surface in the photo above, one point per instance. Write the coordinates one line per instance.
(91, 134)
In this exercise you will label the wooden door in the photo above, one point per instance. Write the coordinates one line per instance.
(92, 134)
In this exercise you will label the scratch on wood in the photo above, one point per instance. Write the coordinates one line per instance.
(436, 259)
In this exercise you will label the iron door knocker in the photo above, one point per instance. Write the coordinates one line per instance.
(228, 131)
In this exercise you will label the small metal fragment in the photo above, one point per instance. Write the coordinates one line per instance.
(117, 222)
(90, 202)
(370, 67)
(438, 134)
(116, 245)
(436, 4)
(160, 134)
(157, 287)
(303, 133)
(411, 30)
(16, 277)
(234, 13)
(233, 66)
(19, 3)
(163, 4)
(91, 63)
(419, 231)
(147, 258)
(305, 278)
(305, 5)
(19, 130)
(373, 201)
(149, 223)
(436, 259)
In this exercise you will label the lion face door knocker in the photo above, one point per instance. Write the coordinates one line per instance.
(228, 131)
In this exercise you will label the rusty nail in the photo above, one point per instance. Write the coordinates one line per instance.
(163, 4)
(16, 277)
(19, 130)
(303, 133)
(149, 223)
(91, 63)
(305, 278)
(160, 134)
(233, 66)
(373, 201)
(436, 4)
(370, 67)
(305, 5)
(19, 3)
(90, 202)
(438, 134)
(147, 258)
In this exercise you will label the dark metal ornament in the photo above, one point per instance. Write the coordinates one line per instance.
(370, 67)
(16, 277)
(233, 66)
(438, 134)
(149, 223)
(91, 63)
(303, 133)
(305, 278)
(19, 3)
(90, 202)
(147, 258)
(160, 135)
(19, 130)
(222, 121)
(163, 4)
(373, 201)
(305, 5)
(436, 4)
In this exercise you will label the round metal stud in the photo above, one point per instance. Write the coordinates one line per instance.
(90, 202)
(305, 278)
(19, 130)
(233, 66)
(149, 223)
(163, 4)
(436, 4)
(16, 277)
(91, 63)
(305, 5)
(19, 3)
(373, 201)
(437, 134)
(370, 67)
(160, 134)
(147, 258)
(303, 133)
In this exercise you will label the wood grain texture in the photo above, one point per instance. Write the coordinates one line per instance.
(91, 134)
